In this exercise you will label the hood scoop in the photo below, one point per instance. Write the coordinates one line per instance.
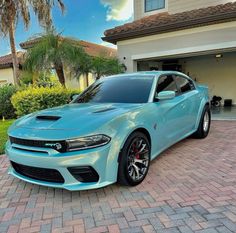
(48, 118)
(104, 110)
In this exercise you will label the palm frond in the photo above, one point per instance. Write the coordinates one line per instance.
(24, 12)
(42, 10)
(54, 51)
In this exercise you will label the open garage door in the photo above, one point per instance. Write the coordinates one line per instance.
(217, 70)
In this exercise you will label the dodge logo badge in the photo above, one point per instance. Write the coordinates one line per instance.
(56, 146)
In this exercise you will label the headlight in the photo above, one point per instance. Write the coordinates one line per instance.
(87, 142)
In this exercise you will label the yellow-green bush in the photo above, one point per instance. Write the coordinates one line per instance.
(38, 98)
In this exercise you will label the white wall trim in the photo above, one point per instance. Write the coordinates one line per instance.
(178, 33)
(186, 51)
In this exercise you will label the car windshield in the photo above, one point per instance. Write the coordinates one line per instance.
(119, 89)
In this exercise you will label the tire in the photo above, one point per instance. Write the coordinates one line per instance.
(128, 165)
(205, 124)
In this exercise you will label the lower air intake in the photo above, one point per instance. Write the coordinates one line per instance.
(41, 174)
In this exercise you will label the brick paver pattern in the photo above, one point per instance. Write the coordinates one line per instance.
(191, 187)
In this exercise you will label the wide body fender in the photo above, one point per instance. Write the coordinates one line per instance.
(119, 138)
(203, 103)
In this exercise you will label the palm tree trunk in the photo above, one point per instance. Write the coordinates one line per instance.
(98, 76)
(14, 54)
(87, 79)
(60, 75)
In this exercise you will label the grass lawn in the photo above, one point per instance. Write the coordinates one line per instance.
(3, 133)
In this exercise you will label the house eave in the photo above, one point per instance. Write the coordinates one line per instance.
(171, 27)
(6, 66)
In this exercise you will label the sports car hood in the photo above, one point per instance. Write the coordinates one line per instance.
(74, 116)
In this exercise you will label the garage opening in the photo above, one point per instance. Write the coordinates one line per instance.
(217, 70)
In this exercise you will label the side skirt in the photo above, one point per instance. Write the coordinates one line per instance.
(155, 155)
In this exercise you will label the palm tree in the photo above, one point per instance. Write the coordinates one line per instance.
(13, 10)
(84, 67)
(97, 65)
(102, 66)
(53, 51)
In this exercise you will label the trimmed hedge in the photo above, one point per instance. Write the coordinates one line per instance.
(38, 98)
(6, 108)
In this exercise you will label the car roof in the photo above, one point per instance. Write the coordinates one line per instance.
(149, 73)
(158, 73)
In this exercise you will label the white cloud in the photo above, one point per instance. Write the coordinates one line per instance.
(118, 10)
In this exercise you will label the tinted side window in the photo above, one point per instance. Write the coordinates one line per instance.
(166, 83)
(184, 84)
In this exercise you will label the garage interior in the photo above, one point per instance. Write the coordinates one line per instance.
(216, 70)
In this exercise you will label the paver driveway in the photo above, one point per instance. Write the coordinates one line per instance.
(190, 188)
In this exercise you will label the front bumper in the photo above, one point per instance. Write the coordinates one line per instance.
(100, 159)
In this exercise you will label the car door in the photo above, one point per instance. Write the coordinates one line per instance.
(189, 102)
(170, 112)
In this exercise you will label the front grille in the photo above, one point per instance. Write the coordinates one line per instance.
(41, 174)
(84, 174)
(60, 146)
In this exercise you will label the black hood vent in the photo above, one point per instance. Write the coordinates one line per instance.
(104, 110)
(48, 118)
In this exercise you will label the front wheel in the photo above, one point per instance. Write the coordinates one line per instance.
(134, 160)
(205, 124)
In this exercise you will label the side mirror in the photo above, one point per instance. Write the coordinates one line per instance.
(166, 95)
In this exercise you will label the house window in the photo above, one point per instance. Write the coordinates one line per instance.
(152, 5)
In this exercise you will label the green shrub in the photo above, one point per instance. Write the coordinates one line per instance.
(6, 108)
(38, 98)
(47, 81)
(26, 78)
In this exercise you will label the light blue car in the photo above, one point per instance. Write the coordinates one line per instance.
(110, 132)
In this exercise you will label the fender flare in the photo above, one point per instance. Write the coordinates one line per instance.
(204, 103)
(138, 128)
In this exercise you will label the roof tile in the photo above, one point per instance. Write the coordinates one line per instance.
(6, 60)
(90, 48)
(164, 22)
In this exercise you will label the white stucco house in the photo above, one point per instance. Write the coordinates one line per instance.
(92, 49)
(6, 68)
(195, 37)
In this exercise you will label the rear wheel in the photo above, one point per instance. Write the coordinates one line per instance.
(204, 125)
(134, 160)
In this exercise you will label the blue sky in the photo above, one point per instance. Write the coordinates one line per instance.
(83, 19)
